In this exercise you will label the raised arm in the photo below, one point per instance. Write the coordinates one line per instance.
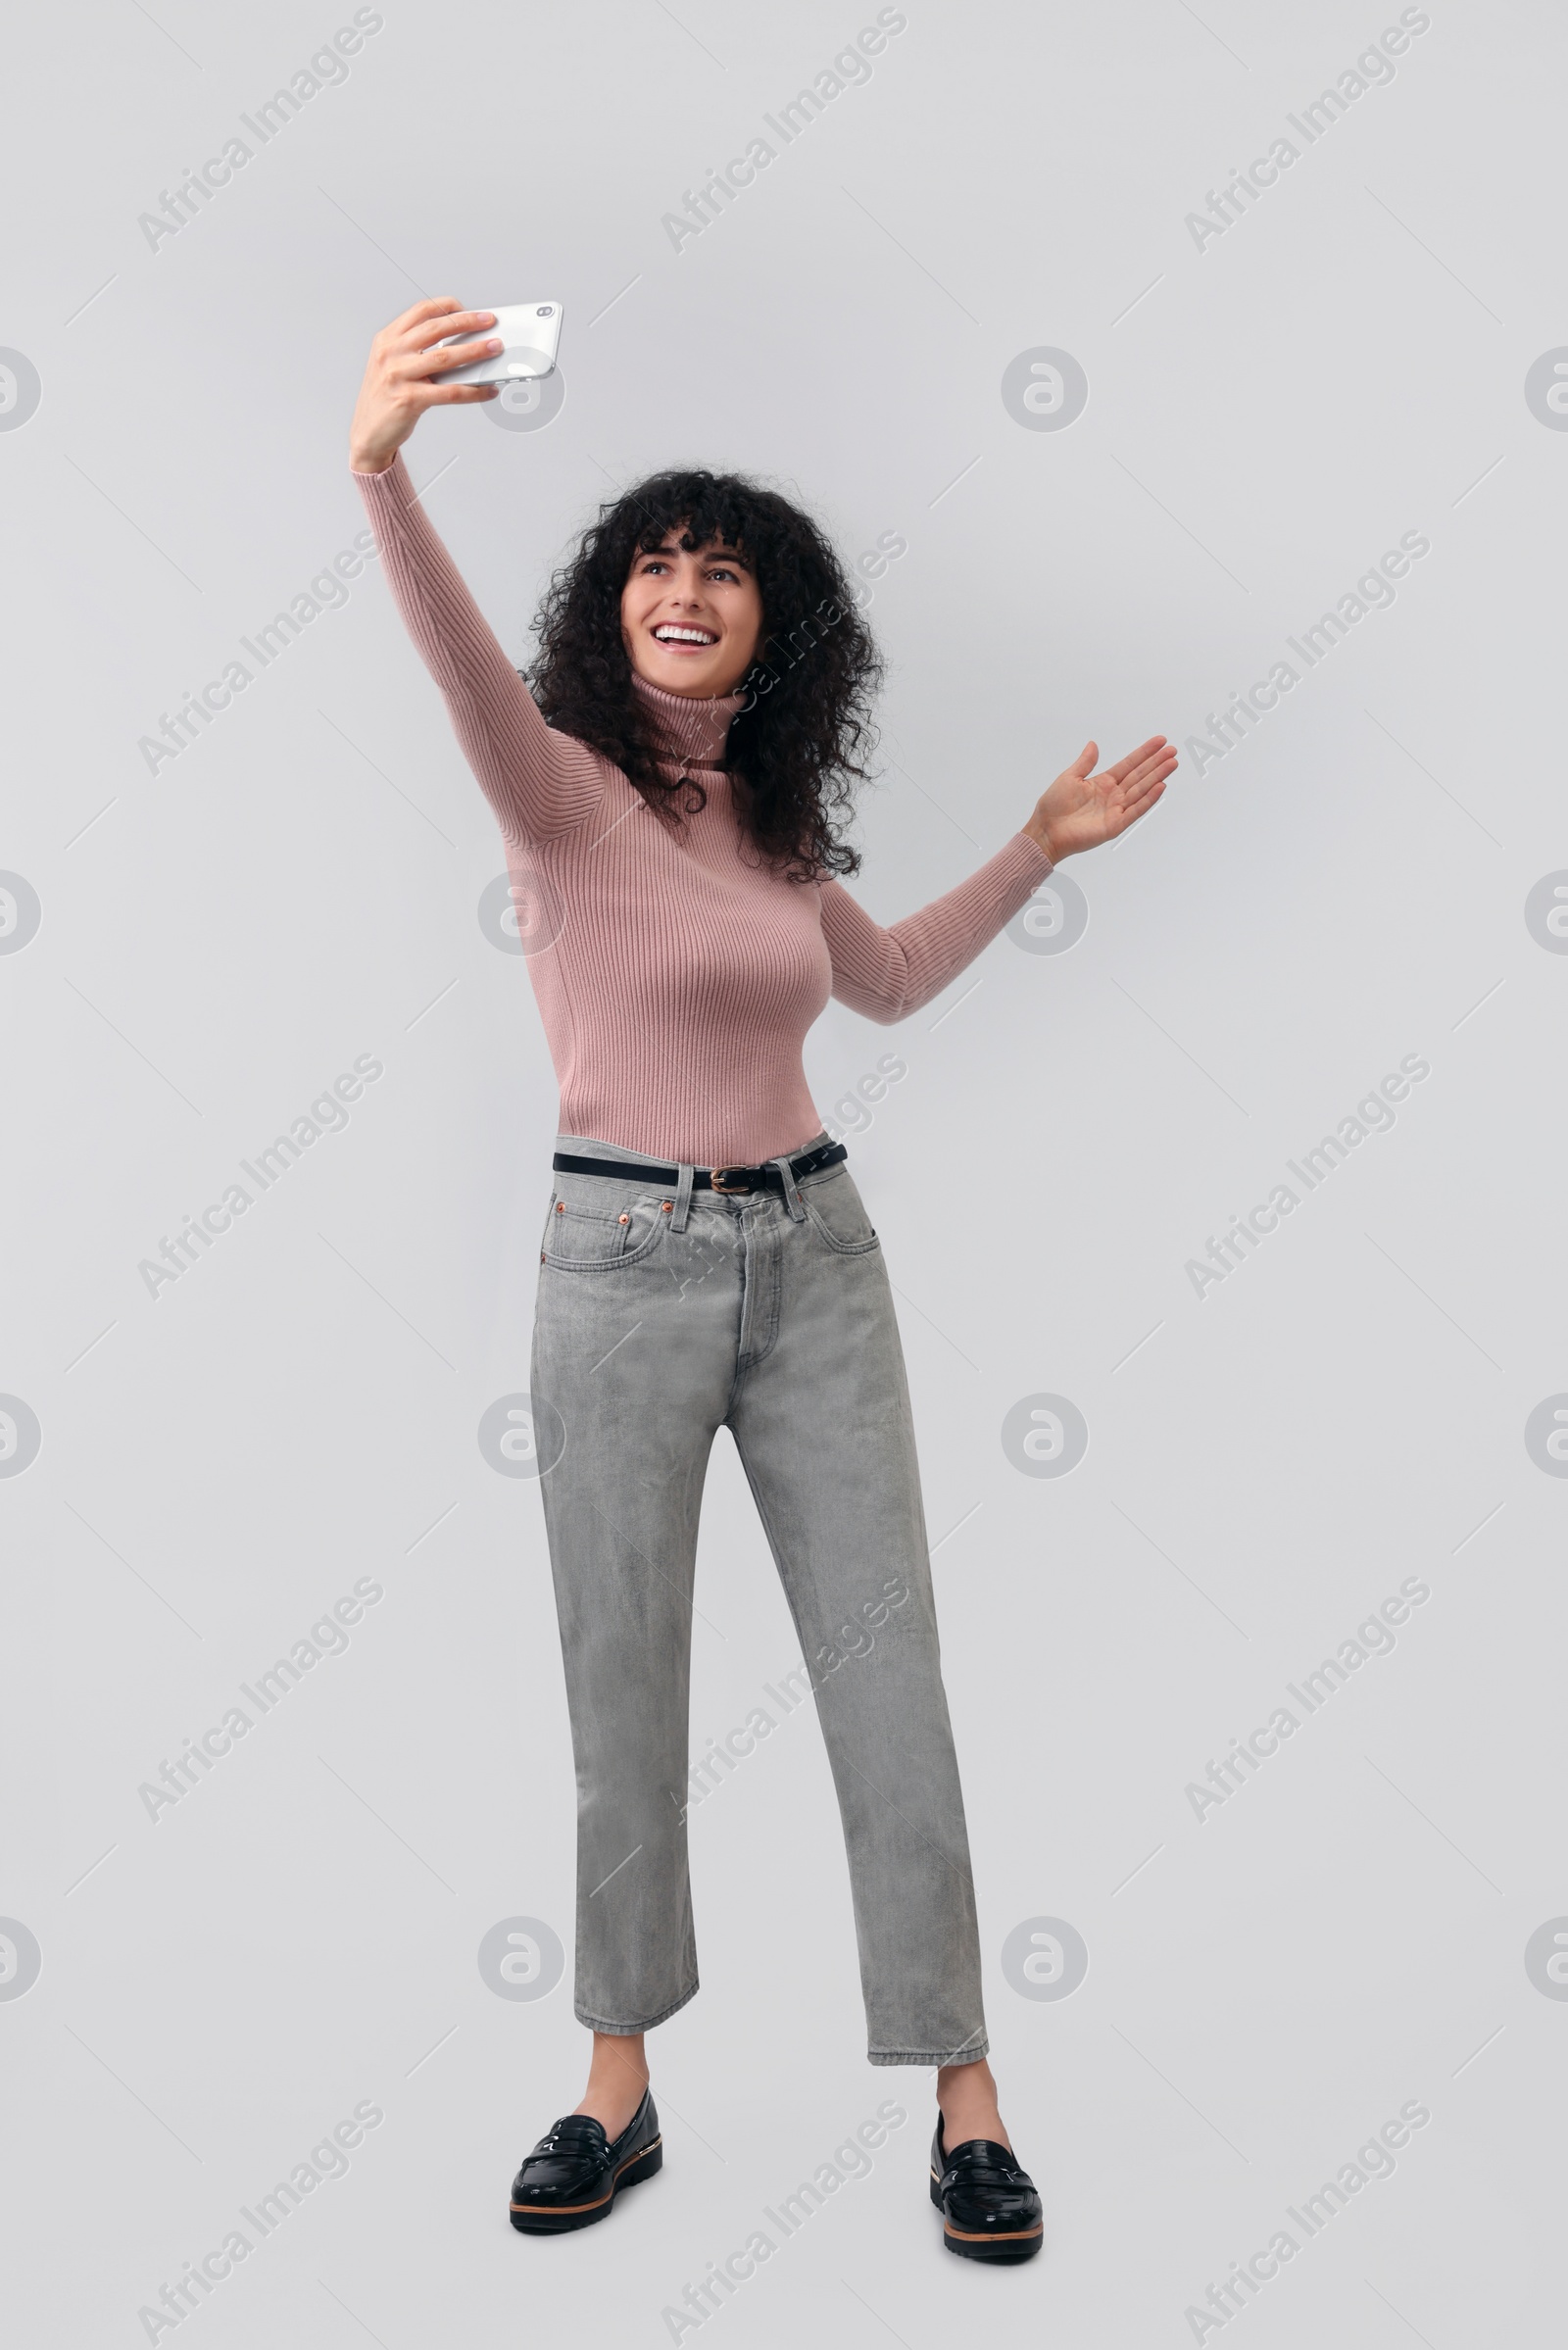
(888, 973)
(539, 783)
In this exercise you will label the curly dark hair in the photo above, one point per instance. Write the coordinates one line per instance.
(802, 736)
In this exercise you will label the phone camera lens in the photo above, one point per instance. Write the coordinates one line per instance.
(546, 310)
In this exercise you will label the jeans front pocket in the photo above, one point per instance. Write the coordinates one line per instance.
(595, 1227)
(838, 1213)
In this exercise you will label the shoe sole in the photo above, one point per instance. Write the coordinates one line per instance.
(1020, 2243)
(546, 2219)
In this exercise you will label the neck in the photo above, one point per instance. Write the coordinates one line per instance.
(689, 727)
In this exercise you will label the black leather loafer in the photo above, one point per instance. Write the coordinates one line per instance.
(990, 2210)
(574, 2173)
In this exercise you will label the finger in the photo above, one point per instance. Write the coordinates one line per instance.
(1132, 776)
(1084, 763)
(1125, 767)
(427, 332)
(1141, 792)
(443, 394)
(1134, 760)
(433, 306)
(1127, 811)
(1136, 802)
(448, 355)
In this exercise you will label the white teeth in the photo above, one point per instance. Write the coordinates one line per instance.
(684, 636)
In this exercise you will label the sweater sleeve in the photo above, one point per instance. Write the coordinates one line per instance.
(888, 973)
(539, 783)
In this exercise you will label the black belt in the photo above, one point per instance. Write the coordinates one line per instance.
(705, 1179)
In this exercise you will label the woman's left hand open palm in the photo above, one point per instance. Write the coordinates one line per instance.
(1081, 809)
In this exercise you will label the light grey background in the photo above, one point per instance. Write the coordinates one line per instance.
(1267, 415)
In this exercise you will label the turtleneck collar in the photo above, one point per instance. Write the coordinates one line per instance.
(687, 728)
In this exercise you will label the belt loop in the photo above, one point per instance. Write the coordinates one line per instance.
(785, 1168)
(683, 1195)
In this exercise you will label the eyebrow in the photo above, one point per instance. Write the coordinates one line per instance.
(710, 553)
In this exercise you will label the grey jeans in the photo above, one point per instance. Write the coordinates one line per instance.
(663, 1314)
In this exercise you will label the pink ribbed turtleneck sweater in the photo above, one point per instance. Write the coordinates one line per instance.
(675, 979)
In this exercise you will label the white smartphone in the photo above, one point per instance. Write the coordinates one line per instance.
(530, 332)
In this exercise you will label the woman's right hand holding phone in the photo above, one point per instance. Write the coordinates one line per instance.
(397, 388)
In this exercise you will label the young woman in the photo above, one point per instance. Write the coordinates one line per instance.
(669, 794)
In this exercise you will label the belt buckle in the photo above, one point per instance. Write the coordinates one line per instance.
(715, 1177)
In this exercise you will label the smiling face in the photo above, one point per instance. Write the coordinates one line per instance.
(691, 621)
